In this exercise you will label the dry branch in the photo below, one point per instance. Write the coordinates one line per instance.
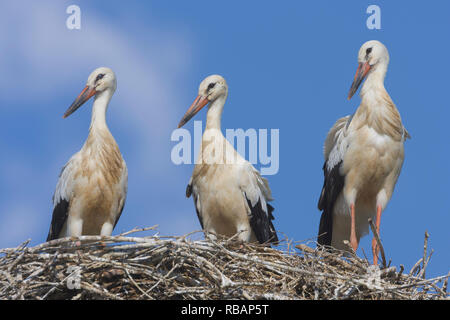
(154, 267)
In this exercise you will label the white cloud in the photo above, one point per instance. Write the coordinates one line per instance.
(42, 58)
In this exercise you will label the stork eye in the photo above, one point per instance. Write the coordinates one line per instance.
(369, 50)
(100, 76)
(211, 85)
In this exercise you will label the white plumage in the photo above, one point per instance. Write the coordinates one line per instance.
(230, 196)
(363, 157)
(92, 186)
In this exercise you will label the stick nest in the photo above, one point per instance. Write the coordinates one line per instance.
(154, 267)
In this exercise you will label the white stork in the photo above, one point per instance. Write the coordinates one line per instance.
(363, 157)
(92, 186)
(230, 196)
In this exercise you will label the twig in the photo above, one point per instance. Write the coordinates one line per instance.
(137, 286)
(138, 230)
(156, 267)
(415, 267)
(425, 247)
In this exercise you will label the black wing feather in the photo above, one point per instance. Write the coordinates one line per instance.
(261, 223)
(60, 214)
(188, 194)
(118, 216)
(332, 187)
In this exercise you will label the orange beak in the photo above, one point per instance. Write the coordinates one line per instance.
(361, 73)
(196, 106)
(84, 96)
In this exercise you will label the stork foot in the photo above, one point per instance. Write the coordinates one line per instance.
(354, 243)
(77, 243)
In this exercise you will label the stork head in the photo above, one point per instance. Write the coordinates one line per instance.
(372, 56)
(100, 80)
(210, 89)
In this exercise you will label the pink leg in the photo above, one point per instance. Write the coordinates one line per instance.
(375, 248)
(353, 240)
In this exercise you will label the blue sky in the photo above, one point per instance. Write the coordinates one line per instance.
(288, 65)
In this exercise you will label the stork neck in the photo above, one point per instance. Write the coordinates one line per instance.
(374, 83)
(214, 114)
(98, 120)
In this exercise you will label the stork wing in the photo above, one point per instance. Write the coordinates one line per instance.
(257, 193)
(189, 191)
(124, 185)
(335, 148)
(61, 198)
